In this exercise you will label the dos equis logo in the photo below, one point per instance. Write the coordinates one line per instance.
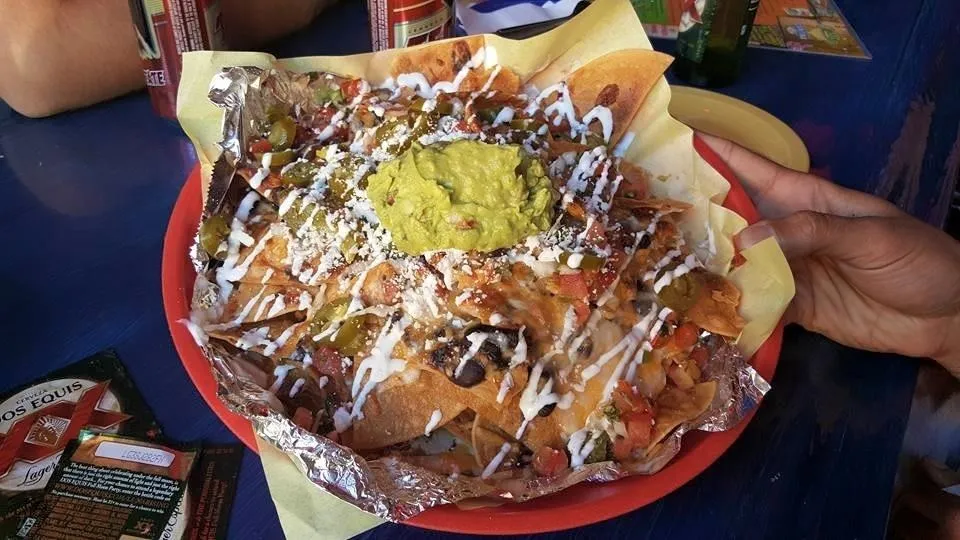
(37, 423)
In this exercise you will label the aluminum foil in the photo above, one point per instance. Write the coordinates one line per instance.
(388, 487)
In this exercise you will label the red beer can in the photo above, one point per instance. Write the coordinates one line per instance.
(165, 30)
(402, 23)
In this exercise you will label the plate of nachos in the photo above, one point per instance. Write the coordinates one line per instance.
(459, 268)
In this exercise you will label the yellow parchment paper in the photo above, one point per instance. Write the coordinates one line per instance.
(304, 510)
(662, 145)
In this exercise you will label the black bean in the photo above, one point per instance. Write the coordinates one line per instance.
(493, 355)
(471, 374)
(645, 241)
(440, 356)
(505, 340)
(447, 358)
(546, 410)
(511, 335)
(585, 348)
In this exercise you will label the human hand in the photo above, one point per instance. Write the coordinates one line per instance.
(867, 274)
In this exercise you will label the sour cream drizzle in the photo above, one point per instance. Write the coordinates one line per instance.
(496, 461)
(378, 365)
(591, 324)
(476, 340)
(519, 357)
(485, 56)
(647, 342)
(434, 422)
(505, 115)
(580, 446)
(533, 400)
(689, 263)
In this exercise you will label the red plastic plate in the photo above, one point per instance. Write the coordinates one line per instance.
(580, 505)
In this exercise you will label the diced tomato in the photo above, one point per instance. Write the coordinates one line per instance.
(328, 362)
(549, 462)
(323, 116)
(628, 400)
(622, 396)
(260, 146)
(685, 336)
(582, 310)
(639, 427)
(596, 233)
(600, 280)
(637, 415)
(468, 127)
(303, 418)
(572, 285)
(622, 448)
(681, 338)
(351, 88)
(700, 355)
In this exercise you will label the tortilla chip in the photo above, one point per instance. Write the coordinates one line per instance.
(486, 439)
(505, 416)
(541, 431)
(267, 188)
(664, 206)
(716, 307)
(456, 461)
(273, 255)
(443, 61)
(675, 406)
(275, 328)
(635, 183)
(559, 147)
(635, 72)
(399, 413)
(261, 301)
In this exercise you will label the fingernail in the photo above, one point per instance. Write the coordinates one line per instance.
(754, 234)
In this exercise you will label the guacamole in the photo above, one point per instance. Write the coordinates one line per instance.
(464, 195)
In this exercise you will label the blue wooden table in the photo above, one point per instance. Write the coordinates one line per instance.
(85, 197)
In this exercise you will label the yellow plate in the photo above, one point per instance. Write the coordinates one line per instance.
(740, 122)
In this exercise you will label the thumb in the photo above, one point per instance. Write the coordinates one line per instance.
(805, 233)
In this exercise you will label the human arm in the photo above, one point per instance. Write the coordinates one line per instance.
(868, 275)
(57, 55)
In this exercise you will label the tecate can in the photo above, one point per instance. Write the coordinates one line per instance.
(165, 30)
(402, 23)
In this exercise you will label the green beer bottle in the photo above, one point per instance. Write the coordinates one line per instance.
(712, 38)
